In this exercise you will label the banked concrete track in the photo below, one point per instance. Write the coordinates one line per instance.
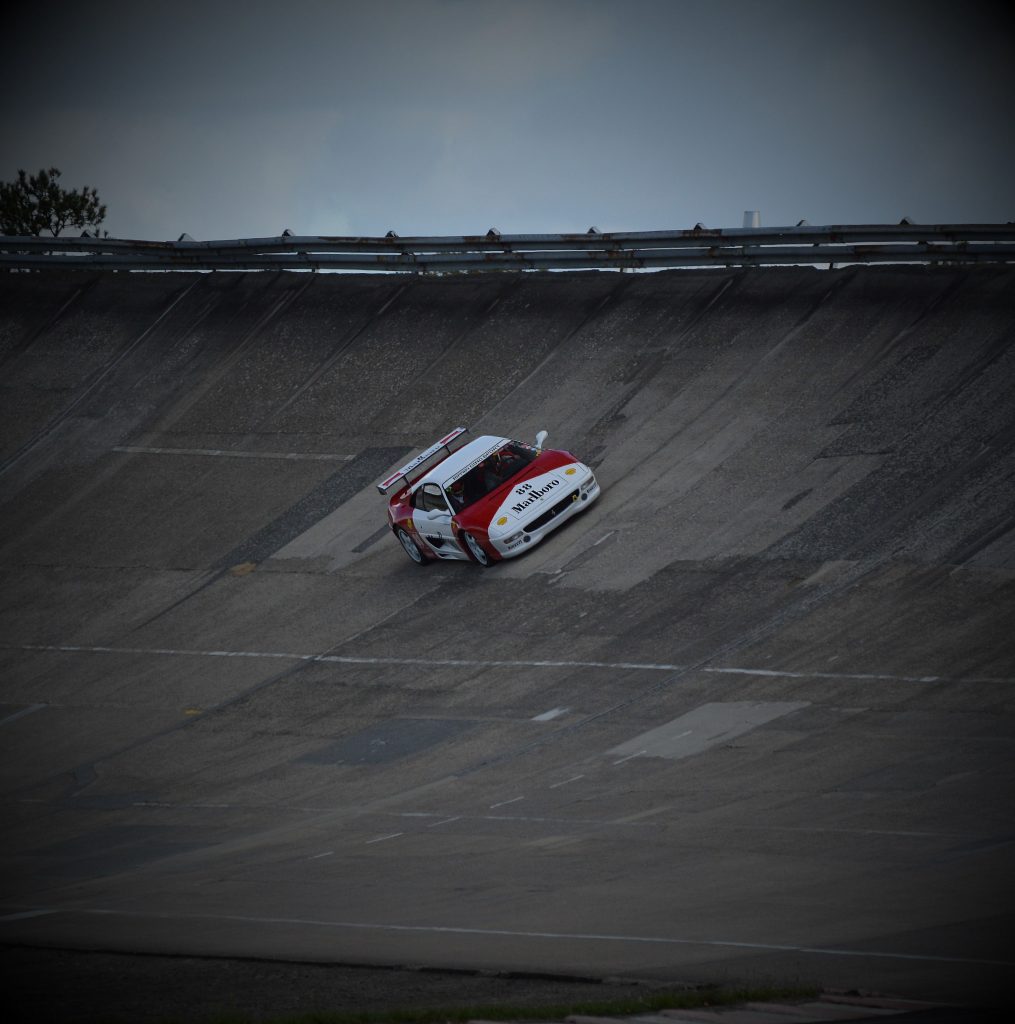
(750, 717)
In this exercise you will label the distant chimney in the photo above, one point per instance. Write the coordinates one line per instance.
(752, 218)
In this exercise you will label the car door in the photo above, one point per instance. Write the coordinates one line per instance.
(432, 519)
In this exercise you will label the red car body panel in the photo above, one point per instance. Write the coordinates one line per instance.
(477, 517)
(523, 506)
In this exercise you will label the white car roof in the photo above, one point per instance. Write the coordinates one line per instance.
(461, 459)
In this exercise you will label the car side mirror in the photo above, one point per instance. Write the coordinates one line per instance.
(541, 438)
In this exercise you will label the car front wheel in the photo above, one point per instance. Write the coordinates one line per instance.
(476, 550)
(411, 547)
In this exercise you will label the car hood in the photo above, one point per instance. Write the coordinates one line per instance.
(539, 486)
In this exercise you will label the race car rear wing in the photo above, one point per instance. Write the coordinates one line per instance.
(421, 463)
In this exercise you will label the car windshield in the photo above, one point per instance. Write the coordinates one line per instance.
(495, 469)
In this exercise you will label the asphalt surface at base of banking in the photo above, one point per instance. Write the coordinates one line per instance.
(747, 719)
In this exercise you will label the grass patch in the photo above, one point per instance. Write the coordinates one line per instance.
(679, 999)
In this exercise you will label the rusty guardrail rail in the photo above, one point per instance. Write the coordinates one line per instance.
(632, 250)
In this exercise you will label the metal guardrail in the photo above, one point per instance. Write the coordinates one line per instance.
(631, 250)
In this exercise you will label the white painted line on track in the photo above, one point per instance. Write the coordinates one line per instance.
(342, 659)
(197, 807)
(540, 819)
(167, 651)
(25, 914)
(811, 830)
(775, 673)
(633, 666)
(504, 803)
(380, 839)
(22, 713)
(483, 663)
(629, 757)
(598, 822)
(546, 716)
(556, 821)
(507, 933)
(318, 856)
(574, 778)
(132, 449)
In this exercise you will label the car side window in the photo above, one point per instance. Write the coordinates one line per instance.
(433, 499)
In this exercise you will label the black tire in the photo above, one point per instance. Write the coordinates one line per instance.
(477, 551)
(410, 547)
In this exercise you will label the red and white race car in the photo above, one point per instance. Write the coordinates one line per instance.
(490, 499)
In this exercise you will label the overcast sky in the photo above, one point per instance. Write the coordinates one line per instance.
(240, 119)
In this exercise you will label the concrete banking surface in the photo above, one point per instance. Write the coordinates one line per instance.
(749, 718)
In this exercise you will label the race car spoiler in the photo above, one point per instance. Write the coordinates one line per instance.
(385, 485)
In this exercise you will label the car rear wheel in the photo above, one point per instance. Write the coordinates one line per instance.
(476, 550)
(411, 547)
